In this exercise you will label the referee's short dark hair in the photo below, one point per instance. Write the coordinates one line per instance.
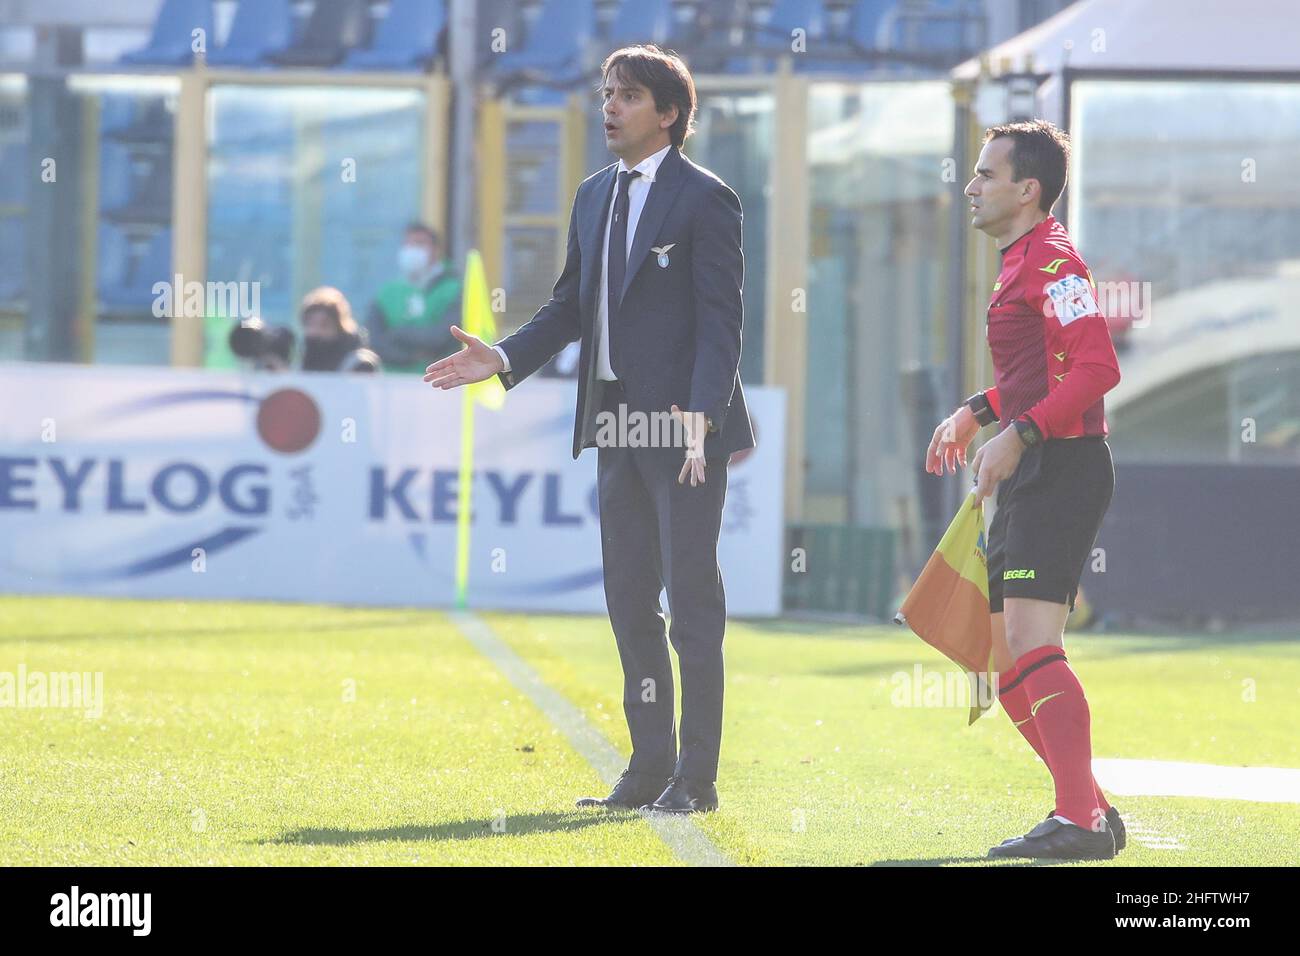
(665, 75)
(1039, 151)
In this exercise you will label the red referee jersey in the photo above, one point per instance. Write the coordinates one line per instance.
(1053, 359)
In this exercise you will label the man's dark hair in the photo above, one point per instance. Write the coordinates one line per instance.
(664, 74)
(424, 230)
(1039, 151)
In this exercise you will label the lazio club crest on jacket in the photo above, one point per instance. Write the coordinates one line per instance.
(662, 252)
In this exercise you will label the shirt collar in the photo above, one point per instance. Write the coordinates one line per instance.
(648, 166)
(1043, 226)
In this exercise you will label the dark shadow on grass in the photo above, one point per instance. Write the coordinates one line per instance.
(949, 860)
(836, 630)
(473, 828)
(876, 668)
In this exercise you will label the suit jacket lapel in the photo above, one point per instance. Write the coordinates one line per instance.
(663, 193)
(593, 238)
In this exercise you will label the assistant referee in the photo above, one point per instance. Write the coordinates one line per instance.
(1053, 360)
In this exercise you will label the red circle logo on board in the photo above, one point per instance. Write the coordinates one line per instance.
(288, 420)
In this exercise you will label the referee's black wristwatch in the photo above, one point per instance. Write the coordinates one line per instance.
(1029, 433)
(979, 405)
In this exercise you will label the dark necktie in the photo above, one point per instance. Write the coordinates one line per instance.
(616, 266)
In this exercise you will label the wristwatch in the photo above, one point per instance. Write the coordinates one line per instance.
(1028, 431)
(979, 404)
(709, 422)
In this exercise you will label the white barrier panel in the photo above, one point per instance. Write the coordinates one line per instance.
(172, 483)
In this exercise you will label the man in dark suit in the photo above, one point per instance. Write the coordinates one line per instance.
(651, 288)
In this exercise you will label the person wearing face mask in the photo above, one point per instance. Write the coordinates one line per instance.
(332, 342)
(410, 320)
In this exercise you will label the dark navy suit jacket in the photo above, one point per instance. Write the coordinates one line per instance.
(676, 336)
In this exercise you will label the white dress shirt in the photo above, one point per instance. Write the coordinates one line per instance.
(637, 190)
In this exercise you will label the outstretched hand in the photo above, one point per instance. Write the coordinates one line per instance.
(476, 362)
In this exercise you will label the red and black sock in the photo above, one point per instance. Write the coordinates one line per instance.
(1059, 729)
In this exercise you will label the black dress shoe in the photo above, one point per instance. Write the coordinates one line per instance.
(1054, 840)
(686, 796)
(633, 790)
(1114, 822)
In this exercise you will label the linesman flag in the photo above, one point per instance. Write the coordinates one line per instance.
(476, 319)
(948, 606)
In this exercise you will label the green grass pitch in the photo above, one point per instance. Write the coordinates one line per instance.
(267, 734)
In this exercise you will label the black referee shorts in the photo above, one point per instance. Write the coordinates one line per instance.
(1049, 512)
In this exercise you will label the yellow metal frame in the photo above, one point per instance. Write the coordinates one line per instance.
(494, 119)
(190, 164)
(785, 338)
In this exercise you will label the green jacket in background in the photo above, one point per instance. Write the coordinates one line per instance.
(410, 326)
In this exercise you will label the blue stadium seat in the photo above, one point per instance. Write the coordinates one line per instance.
(407, 38)
(172, 39)
(932, 28)
(789, 15)
(135, 184)
(260, 28)
(864, 26)
(642, 21)
(844, 48)
(13, 258)
(117, 111)
(116, 179)
(556, 44)
(13, 187)
(953, 33)
(147, 121)
(939, 27)
(128, 268)
(334, 28)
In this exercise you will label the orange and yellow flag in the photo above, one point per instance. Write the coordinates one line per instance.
(948, 606)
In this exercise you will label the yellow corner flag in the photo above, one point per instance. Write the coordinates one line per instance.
(476, 318)
(948, 606)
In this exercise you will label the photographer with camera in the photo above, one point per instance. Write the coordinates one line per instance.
(332, 340)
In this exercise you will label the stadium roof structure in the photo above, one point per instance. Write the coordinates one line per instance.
(1210, 326)
(1145, 36)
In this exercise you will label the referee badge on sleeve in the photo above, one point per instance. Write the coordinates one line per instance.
(1070, 298)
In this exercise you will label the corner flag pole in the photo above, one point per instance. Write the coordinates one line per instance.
(463, 497)
(476, 319)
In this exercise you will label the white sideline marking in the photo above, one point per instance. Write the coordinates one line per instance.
(687, 841)
(1167, 778)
